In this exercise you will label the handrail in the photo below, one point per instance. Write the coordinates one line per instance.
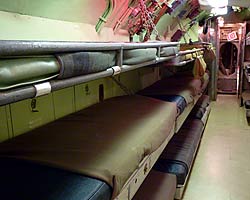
(26, 92)
(10, 48)
(182, 63)
(181, 53)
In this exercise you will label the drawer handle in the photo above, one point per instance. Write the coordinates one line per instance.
(145, 169)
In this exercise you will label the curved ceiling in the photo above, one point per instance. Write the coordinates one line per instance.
(240, 3)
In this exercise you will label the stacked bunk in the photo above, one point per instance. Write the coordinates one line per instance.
(174, 165)
(103, 152)
(104, 142)
(30, 69)
(18, 67)
(107, 150)
(182, 89)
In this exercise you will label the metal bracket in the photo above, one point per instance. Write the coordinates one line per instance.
(116, 70)
(42, 89)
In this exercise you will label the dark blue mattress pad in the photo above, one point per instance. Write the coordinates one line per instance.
(200, 108)
(37, 182)
(247, 104)
(179, 100)
(203, 101)
(197, 112)
(178, 156)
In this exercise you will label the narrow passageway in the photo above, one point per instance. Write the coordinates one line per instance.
(222, 167)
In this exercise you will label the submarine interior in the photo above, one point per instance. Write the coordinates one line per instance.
(125, 100)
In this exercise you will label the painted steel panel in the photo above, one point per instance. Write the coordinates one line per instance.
(31, 113)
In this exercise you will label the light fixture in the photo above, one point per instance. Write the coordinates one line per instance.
(216, 7)
(218, 3)
(240, 31)
(219, 10)
(200, 30)
(211, 31)
(220, 21)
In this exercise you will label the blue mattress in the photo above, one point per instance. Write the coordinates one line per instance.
(37, 182)
(247, 104)
(198, 112)
(203, 101)
(200, 108)
(179, 100)
(178, 156)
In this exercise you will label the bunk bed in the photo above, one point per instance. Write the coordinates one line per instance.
(55, 153)
(100, 142)
(78, 56)
(178, 157)
(184, 93)
(120, 147)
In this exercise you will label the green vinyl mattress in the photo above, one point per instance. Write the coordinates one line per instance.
(137, 56)
(106, 141)
(169, 51)
(23, 71)
(80, 63)
(185, 86)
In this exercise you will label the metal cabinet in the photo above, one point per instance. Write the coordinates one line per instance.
(31, 113)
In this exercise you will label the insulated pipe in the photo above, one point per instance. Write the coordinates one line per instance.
(103, 18)
(10, 48)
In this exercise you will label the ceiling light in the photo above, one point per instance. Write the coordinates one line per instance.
(219, 11)
(218, 3)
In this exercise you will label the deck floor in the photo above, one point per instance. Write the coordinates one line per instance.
(222, 167)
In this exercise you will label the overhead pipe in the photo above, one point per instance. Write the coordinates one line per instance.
(11, 48)
(103, 18)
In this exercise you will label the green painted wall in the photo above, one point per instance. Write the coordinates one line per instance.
(168, 25)
(66, 21)
(21, 27)
(4, 131)
(24, 118)
(64, 102)
(58, 20)
(65, 10)
(88, 93)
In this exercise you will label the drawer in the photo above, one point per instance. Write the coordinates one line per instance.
(64, 102)
(4, 132)
(90, 93)
(31, 113)
(135, 180)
